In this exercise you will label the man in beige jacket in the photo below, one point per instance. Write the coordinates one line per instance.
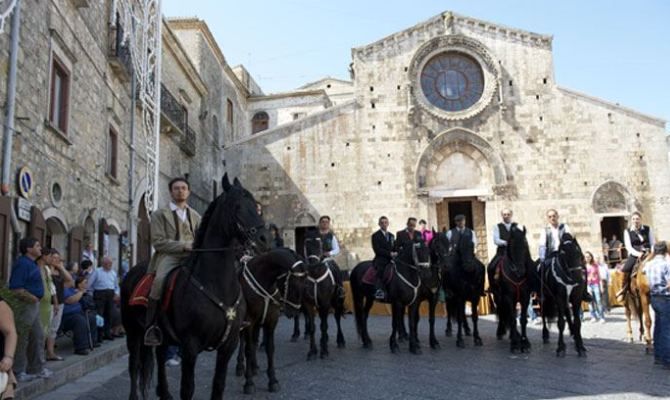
(173, 231)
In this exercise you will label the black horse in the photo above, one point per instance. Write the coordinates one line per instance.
(321, 295)
(561, 283)
(510, 285)
(207, 306)
(270, 282)
(463, 277)
(409, 270)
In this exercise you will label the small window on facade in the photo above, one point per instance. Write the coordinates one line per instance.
(260, 122)
(229, 113)
(59, 95)
(112, 153)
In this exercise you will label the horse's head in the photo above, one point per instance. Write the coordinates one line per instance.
(571, 252)
(466, 253)
(313, 250)
(233, 217)
(517, 249)
(292, 285)
(417, 254)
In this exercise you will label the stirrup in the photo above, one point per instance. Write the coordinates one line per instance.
(153, 336)
(380, 294)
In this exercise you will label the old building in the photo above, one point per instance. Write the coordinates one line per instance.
(453, 115)
(72, 146)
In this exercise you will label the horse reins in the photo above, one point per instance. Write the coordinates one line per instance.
(316, 281)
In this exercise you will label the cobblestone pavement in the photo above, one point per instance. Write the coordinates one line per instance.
(613, 369)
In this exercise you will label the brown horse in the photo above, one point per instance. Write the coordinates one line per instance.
(637, 303)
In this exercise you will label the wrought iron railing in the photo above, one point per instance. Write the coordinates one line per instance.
(173, 110)
(120, 51)
(187, 143)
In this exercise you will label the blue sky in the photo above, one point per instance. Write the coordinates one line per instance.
(615, 50)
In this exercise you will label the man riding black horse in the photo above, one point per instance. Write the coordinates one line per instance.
(501, 237)
(329, 248)
(383, 245)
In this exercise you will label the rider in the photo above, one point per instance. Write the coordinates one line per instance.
(330, 248)
(501, 235)
(638, 239)
(172, 234)
(550, 241)
(382, 245)
(409, 235)
(460, 232)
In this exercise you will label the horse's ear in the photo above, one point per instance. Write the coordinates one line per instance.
(236, 182)
(432, 228)
(225, 183)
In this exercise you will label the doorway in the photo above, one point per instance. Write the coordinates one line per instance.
(611, 233)
(460, 207)
(300, 233)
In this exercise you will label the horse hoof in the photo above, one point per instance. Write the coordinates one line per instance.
(435, 345)
(460, 344)
(311, 356)
(545, 340)
(341, 345)
(499, 337)
(416, 351)
(395, 349)
(478, 341)
(274, 387)
(239, 371)
(294, 339)
(447, 333)
(249, 389)
(324, 355)
(647, 351)
(560, 353)
(367, 345)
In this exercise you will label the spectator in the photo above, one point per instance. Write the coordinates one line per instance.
(8, 340)
(104, 285)
(276, 240)
(604, 272)
(73, 269)
(426, 234)
(658, 275)
(593, 282)
(86, 268)
(88, 254)
(26, 283)
(77, 320)
(614, 253)
(61, 279)
(46, 302)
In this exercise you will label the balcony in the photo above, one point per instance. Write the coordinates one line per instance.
(187, 143)
(119, 52)
(173, 112)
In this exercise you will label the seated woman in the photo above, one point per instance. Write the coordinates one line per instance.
(75, 319)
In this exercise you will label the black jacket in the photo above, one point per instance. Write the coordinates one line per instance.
(404, 239)
(382, 247)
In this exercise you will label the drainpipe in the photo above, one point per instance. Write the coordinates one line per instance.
(132, 228)
(11, 100)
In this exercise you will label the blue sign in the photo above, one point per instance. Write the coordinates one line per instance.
(25, 182)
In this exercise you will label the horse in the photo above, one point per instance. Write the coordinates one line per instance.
(512, 287)
(562, 285)
(463, 276)
(408, 271)
(321, 294)
(637, 302)
(270, 282)
(208, 307)
(439, 248)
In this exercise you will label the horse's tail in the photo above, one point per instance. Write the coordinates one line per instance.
(549, 307)
(146, 369)
(357, 297)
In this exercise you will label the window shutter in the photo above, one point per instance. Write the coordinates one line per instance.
(76, 244)
(38, 226)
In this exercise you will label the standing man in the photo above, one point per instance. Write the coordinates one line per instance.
(638, 240)
(88, 253)
(330, 248)
(658, 274)
(26, 284)
(461, 233)
(172, 234)
(501, 235)
(409, 235)
(104, 284)
(382, 244)
(550, 241)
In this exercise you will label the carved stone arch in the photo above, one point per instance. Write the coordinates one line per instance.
(470, 145)
(613, 197)
(55, 213)
(305, 218)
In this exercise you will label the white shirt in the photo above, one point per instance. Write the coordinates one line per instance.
(474, 236)
(496, 233)
(336, 247)
(555, 240)
(181, 212)
(604, 272)
(629, 246)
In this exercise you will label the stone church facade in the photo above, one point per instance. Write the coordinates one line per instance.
(454, 115)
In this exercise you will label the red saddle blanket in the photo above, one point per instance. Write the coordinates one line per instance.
(140, 295)
(370, 276)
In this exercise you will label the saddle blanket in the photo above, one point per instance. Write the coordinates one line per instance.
(370, 276)
(140, 295)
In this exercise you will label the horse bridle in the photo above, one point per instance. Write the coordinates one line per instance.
(248, 246)
(291, 273)
(265, 295)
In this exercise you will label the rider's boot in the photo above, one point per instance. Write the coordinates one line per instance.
(380, 293)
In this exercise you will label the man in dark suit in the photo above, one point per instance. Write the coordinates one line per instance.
(383, 245)
(408, 235)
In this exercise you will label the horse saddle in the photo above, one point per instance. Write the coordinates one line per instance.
(370, 276)
(140, 295)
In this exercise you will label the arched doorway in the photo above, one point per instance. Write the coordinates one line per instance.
(113, 244)
(612, 203)
(143, 249)
(56, 236)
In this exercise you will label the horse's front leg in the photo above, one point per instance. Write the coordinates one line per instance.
(223, 355)
(296, 328)
(393, 344)
(249, 354)
(339, 310)
(188, 359)
(560, 351)
(323, 315)
(475, 320)
(629, 319)
(577, 328)
(413, 325)
(432, 304)
(134, 344)
(162, 390)
(647, 322)
(460, 319)
(240, 367)
(525, 343)
(309, 328)
(402, 331)
(269, 338)
(367, 341)
(449, 305)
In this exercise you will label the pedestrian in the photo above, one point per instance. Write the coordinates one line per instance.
(276, 241)
(593, 283)
(86, 268)
(658, 275)
(88, 254)
(426, 234)
(61, 279)
(604, 272)
(104, 285)
(8, 339)
(26, 283)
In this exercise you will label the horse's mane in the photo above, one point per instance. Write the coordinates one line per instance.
(204, 223)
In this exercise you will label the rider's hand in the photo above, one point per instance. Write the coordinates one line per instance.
(188, 247)
(394, 254)
(326, 254)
